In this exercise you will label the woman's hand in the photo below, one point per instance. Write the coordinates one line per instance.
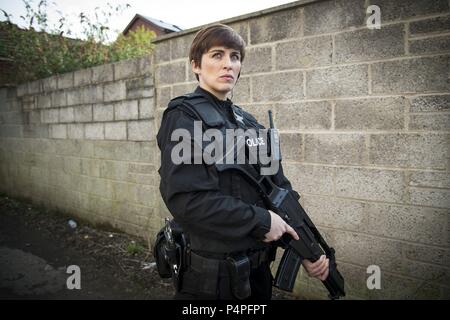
(277, 228)
(318, 269)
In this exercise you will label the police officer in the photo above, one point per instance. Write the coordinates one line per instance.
(231, 233)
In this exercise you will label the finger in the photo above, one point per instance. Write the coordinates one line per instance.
(324, 267)
(292, 232)
(324, 276)
(317, 265)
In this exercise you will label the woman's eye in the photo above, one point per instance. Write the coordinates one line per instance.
(217, 55)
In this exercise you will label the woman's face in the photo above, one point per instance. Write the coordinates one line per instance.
(219, 70)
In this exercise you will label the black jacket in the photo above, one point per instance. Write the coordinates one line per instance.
(220, 211)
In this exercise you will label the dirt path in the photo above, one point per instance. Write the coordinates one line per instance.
(37, 247)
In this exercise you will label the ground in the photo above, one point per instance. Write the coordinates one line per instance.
(37, 247)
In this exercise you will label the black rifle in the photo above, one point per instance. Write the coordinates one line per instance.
(285, 203)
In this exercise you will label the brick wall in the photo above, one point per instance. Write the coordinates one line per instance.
(83, 143)
(364, 116)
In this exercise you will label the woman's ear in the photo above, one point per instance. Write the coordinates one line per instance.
(195, 68)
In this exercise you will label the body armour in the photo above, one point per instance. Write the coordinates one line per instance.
(221, 212)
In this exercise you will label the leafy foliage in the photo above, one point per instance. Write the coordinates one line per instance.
(42, 50)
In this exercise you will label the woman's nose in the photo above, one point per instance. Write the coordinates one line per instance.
(227, 63)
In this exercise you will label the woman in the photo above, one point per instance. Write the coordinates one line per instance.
(231, 232)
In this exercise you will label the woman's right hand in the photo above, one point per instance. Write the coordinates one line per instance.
(277, 228)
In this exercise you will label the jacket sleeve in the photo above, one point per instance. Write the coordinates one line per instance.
(191, 192)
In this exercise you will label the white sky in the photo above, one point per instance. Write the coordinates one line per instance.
(185, 14)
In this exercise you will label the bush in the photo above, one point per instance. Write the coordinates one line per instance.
(41, 51)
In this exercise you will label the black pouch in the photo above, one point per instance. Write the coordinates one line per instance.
(239, 269)
(160, 256)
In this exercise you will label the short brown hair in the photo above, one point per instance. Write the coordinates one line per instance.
(215, 35)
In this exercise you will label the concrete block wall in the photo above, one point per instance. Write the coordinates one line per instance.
(83, 143)
(364, 117)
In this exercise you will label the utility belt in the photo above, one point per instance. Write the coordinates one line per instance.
(204, 273)
(200, 272)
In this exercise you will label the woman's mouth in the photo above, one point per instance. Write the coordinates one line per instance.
(227, 77)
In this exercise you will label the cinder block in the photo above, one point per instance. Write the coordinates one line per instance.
(428, 254)
(58, 131)
(115, 170)
(92, 94)
(139, 88)
(141, 130)
(271, 27)
(125, 69)
(35, 87)
(126, 110)
(337, 82)
(49, 84)
(103, 73)
(50, 116)
(278, 86)
(75, 131)
(432, 179)
(430, 122)
(438, 24)
(241, 92)
(103, 112)
(94, 131)
(370, 44)
(74, 96)
(404, 9)
(146, 108)
(371, 114)
(65, 80)
(59, 98)
(257, 59)
(304, 53)
(409, 150)
(336, 213)
(171, 73)
(22, 89)
(116, 130)
(44, 101)
(180, 46)
(292, 145)
(411, 75)
(82, 77)
(409, 223)
(312, 179)
(332, 16)
(437, 198)
(83, 113)
(162, 51)
(430, 45)
(370, 184)
(114, 91)
(335, 148)
(430, 103)
(303, 116)
(178, 90)
(66, 115)
(242, 29)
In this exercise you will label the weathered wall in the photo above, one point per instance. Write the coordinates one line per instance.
(365, 124)
(364, 116)
(84, 143)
